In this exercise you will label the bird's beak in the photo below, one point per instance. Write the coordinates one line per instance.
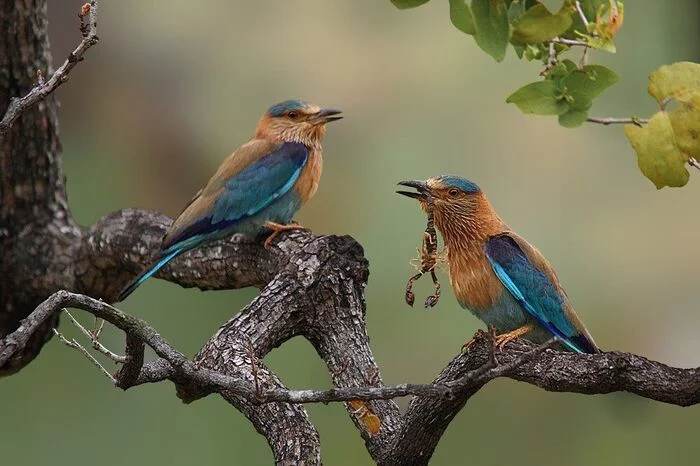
(326, 115)
(421, 188)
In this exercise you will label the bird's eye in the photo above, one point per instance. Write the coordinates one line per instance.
(454, 192)
(293, 114)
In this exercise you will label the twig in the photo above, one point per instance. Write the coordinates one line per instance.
(506, 369)
(693, 163)
(584, 58)
(44, 88)
(93, 336)
(136, 328)
(551, 59)
(581, 14)
(618, 121)
(75, 345)
(479, 376)
(570, 42)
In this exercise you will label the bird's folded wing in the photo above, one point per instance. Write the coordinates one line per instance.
(251, 179)
(536, 290)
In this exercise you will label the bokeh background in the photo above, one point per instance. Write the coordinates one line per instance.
(174, 86)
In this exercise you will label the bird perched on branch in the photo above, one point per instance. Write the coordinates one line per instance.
(258, 188)
(496, 274)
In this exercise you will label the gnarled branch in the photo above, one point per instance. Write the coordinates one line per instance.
(310, 286)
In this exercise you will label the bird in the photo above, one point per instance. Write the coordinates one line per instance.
(494, 272)
(257, 189)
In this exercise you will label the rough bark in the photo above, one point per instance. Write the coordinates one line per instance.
(37, 232)
(310, 286)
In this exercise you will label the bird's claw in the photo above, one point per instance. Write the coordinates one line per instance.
(278, 228)
(504, 338)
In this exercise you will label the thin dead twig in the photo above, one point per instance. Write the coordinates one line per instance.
(88, 30)
(77, 346)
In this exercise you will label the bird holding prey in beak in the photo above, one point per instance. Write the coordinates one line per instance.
(495, 273)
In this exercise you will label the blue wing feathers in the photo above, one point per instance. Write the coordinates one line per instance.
(145, 275)
(250, 191)
(247, 193)
(534, 291)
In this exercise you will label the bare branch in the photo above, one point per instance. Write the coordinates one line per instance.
(94, 338)
(77, 346)
(570, 42)
(45, 87)
(618, 121)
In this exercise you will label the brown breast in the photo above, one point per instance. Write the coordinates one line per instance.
(310, 175)
(474, 283)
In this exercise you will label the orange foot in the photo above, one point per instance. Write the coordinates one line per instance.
(278, 228)
(505, 338)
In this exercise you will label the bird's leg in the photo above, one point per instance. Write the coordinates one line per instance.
(278, 228)
(504, 338)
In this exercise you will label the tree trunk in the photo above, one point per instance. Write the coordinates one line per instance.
(37, 234)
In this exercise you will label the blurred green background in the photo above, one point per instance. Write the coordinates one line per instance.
(174, 86)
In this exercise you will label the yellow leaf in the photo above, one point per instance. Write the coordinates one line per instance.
(658, 154)
(680, 81)
(686, 126)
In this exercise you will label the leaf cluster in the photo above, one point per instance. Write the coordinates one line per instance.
(664, 144)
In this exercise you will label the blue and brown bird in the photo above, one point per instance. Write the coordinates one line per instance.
(257, 189)
(495, 273)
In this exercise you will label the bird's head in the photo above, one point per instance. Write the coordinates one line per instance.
(296, 121)
(459, 206)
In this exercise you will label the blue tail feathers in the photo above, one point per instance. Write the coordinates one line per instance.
(146, 274)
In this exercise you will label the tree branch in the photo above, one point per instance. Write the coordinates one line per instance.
(60, 76)
(225, 365)
(618, 121)
(311, 287)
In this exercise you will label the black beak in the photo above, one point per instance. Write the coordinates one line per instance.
(326, 115)
(421, 188)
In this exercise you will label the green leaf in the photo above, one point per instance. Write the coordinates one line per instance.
(573, 118)
(580, 88)
(534, 52)
(658, 155)
(406, 4)
(492, 29)
(519, 50)
(562, 69)
(601, 43)
(461, 16)
(539, 98)
(586, 84)
(680, 81)
(538, 25)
